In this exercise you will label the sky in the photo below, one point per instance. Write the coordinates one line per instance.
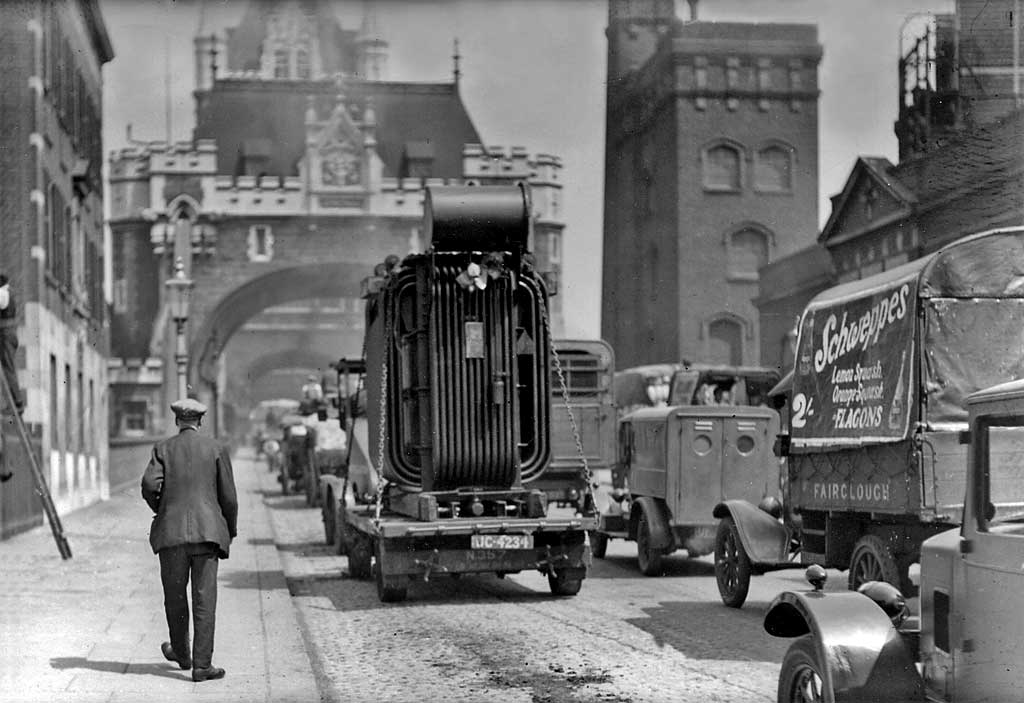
(533, 75)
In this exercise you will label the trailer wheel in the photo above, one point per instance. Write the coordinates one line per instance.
(312, 483)
(801, 680)
(598, 544)
(647, 558)
(872, 560)
(732, 565)
(562, 586)
(329, 513)
(360, 555)
(388, 591)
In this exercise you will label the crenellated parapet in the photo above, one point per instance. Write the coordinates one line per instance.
(146, 180)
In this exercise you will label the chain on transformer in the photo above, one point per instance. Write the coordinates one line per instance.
(379, 472)
(588, 477)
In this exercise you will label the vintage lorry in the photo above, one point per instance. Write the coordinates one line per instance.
(583, 409)
(457, 410)
(874, 412)
(963, 646)
(679, 452)
(676, 461)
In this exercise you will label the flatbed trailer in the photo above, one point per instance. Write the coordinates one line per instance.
(407, 549)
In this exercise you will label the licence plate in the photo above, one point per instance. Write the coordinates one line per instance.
(501, 541)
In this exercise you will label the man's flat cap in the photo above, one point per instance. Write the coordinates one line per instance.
(188, 409)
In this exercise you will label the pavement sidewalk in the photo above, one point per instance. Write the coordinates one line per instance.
(89, 629)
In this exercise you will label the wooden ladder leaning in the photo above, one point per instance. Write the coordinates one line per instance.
(42, 489)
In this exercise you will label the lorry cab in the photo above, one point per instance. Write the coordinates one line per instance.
(964, 647)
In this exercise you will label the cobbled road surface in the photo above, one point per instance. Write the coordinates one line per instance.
(625, 638)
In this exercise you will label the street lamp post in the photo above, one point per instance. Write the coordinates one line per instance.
(179, 294)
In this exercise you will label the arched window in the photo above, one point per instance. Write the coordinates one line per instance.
(282, 64)
(302, 68)
(722, 167)
(747, 250)
(725, 341)
(773, 169)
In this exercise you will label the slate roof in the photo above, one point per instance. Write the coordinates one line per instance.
(978, 158)
(240, 112)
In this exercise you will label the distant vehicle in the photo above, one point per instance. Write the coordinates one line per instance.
(297, 445)
(265, 416)
(587, 367)
(875, 410)
(964, 647)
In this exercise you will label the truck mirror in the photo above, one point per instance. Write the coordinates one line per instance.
(321, 414)
(781, 446)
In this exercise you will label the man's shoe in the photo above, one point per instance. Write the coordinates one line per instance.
(208, 674)
(169, 655)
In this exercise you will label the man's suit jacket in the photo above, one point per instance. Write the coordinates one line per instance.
(190, 486)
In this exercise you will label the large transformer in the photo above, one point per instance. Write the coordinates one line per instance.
(457, 409)
(461, 333)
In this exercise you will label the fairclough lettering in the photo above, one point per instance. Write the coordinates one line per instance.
(856, 492)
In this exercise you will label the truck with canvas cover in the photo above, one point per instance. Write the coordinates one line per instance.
(962, 645)
(877, 402)
(458, 409)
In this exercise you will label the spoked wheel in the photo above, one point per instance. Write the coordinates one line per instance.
(598, 544)
(562, 586)
(801, 679)
(330, 518)
(388, 591)
(872, 560)
(647, 558)
(732, 565)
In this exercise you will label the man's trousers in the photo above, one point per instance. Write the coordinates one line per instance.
(179, 565)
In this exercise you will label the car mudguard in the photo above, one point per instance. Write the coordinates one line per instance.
(862, 656)
(657, 520)
(765, 539)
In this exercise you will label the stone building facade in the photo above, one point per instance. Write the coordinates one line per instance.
(711, 171)
(307, 169)
(51, 248)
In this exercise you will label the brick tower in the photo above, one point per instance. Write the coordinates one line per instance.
(711, 171)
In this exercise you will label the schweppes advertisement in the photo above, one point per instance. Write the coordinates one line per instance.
(854, 367)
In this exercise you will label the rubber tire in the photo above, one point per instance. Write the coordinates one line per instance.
(649, 560)
(311, 482)
(872, 560)
(561, 586)
(727, 540)
(388, 593)
(801, 661)
(360, 555)
(329, 516)
(598, 544)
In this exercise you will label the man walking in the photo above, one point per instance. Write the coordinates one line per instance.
(190, 486)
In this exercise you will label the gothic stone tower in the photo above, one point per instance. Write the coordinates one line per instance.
(711, 172)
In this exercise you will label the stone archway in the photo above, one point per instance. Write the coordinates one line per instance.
(224, 317)
(215, 321)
